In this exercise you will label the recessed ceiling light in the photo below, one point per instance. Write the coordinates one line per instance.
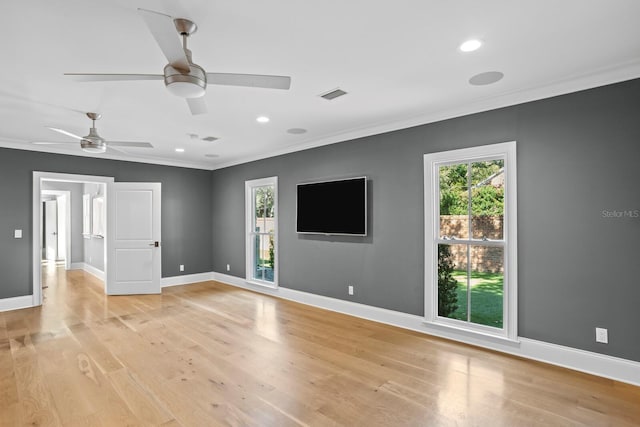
(263, 119)
(212, 156)
(179, 150)
(296, 131)
(470, 45)
(486, 78)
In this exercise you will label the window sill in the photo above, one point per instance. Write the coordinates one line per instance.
(262, 284)
(465, 334)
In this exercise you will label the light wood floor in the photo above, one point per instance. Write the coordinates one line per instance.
(209, 354)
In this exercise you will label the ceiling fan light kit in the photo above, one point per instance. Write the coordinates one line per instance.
(93, 143)
(94, 147)
(186, 85)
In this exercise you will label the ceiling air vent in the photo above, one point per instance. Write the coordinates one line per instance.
(210, 138)
(333, 94)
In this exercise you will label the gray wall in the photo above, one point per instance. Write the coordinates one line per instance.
(578, 155)
(186, 211)
(75, 216)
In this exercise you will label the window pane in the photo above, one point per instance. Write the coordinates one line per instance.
(269, 209)
(258, 215)
(263, 257)
(487, 285)
(454, 200)
(452, 281)
(263, 205)
(270, 263)
(255, 248)
(487, 199)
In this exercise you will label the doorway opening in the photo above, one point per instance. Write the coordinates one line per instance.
(56, 226)
(56, 234)
(64, 236)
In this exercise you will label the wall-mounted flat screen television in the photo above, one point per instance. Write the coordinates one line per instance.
(333, 207)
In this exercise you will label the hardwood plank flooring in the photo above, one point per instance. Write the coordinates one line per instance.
(209, 354)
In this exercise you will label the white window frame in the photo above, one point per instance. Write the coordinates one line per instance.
(250, 232)
(432, 162)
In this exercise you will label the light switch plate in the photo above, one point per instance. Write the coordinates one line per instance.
(17, 234)
(602, 335)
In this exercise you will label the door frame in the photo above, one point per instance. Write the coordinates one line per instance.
(36, 230)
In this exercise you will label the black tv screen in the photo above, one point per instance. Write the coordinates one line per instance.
(333, 207)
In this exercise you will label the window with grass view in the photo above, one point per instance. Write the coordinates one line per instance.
(261, 246)
(470, 239)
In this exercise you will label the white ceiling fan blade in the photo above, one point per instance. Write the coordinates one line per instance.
(64, 132)
(97, 77)
(129, 144)
(52, 142)
(251, 80)
(114, 150)
(197, 105)
(164, 31)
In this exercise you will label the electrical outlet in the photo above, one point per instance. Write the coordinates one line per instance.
(350, 290)
(602, 335)
(181, 267)
(228, 267)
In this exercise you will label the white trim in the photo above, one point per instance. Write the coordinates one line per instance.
(615, 368)
(573, 83)
(16, 303)
(507, 150)
(89, 269)
(249, 185)
(185, 279)
(576, 82)
(261, 284)
(20, 145)
(36, 214)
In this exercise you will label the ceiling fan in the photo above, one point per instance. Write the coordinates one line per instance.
(182, 76)
(94, 143)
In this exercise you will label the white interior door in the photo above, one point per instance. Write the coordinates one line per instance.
(51, 229)
(133, 238)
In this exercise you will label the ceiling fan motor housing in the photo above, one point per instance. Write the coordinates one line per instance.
(191, 84)
(93, 143)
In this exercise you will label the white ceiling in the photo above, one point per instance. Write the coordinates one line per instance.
(399, 62)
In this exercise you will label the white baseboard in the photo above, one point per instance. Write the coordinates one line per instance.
(185, 279)
(88, 268)
(16, 303)
(618, 369)
(624, 370)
